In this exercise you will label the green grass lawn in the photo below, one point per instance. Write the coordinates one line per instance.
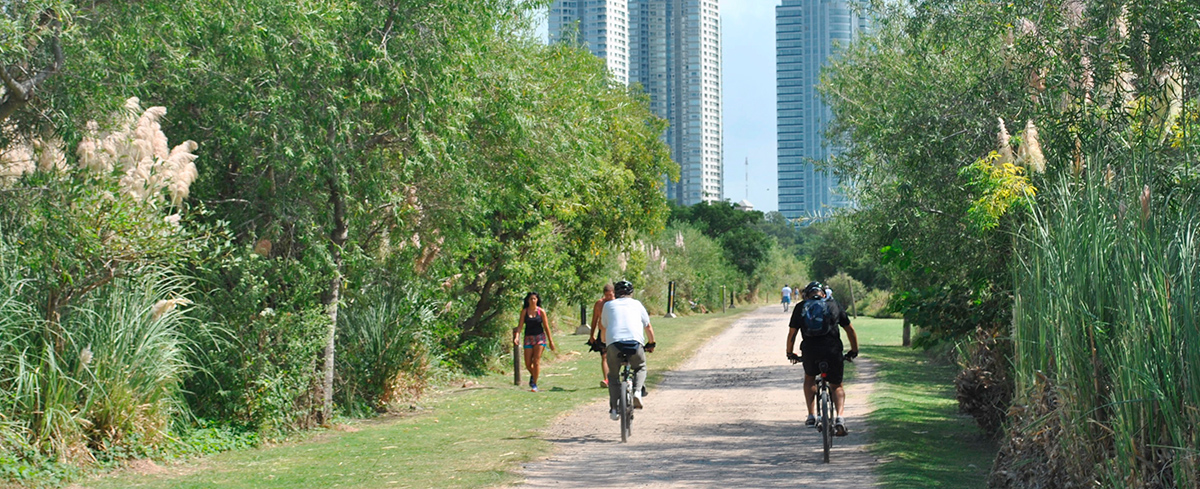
(472, 437)
(476, 437)
(916, 428)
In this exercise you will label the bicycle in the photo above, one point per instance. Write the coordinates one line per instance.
(625, 401)
(826, 410)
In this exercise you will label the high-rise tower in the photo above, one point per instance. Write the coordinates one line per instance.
(674, 52)
(807, 34)
(601, 25)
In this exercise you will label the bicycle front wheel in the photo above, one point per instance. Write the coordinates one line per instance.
(625, 407)
(827, 416)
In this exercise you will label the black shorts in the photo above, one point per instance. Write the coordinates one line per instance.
(828, 351)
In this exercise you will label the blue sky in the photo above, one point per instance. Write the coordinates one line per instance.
(748, 52)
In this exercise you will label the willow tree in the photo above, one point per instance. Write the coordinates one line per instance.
(306, 110)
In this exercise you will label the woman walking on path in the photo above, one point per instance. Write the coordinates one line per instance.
(537, 336)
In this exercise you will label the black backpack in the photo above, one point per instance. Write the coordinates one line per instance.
(816, 319)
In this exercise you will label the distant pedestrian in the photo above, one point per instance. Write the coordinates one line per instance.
(828, 293)
(787, 297)
(597, 342)
(537, 336)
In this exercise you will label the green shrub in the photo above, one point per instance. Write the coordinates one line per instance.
(847, 291)
(387, 349)
(877, 304)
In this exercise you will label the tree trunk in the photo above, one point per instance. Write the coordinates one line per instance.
(906, 338)
(483, 309)
(338, 238)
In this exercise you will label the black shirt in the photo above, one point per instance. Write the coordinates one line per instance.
(833, 311)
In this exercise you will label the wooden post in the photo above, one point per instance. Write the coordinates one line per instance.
(670, 299)
(853, 307)
(722, 298)
(516, 365)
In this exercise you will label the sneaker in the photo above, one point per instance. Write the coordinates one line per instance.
(839, 427)
(533, 387)
(637, 401)
(811, 421)
(604, 383)
(613, 414)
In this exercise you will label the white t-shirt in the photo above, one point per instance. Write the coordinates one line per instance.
(787, 292)
(624, 319)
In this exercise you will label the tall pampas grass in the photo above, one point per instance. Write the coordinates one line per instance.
(1003, 146)
(1029, 153)
(138, 149)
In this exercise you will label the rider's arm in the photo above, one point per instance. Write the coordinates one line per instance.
(852, 336)
(791, 342)
(844, 322)
(649, 334)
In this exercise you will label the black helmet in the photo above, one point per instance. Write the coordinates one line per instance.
(812, 286)
(622, 288)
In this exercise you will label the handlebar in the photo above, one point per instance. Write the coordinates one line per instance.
(848, 357)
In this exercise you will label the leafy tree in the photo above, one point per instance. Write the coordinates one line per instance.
(899, 108)
(31, 51)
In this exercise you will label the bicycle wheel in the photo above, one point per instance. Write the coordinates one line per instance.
(827, 418)
(625, 407)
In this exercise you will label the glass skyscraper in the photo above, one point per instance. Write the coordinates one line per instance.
(673, 49)
(807, 33)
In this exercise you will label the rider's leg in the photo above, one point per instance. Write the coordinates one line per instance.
(637, 363)
(614, 375)
(810, 392)
(839, 398)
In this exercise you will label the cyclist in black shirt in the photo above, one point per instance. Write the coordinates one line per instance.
(823, 348)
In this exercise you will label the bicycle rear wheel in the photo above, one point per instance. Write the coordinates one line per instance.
(827, 417)
(625, 407)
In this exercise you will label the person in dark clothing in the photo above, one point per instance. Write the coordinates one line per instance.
(537, 336)
(818, 324)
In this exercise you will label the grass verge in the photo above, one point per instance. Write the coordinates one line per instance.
(461, 437)
(917, 431)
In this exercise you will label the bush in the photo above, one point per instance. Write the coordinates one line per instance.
(847, 291)
(877, 304)
(387, 350)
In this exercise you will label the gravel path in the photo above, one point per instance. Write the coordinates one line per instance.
(732, 416)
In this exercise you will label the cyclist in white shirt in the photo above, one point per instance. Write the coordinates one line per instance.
(625, 327)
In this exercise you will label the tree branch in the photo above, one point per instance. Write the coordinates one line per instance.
(20, 93)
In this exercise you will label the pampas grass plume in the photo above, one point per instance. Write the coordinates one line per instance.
(1003, 146)
(1029, 154)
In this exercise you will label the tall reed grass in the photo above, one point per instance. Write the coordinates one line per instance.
(389, 349)
(1105, 333)
(108, 377)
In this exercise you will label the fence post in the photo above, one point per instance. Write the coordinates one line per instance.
(670, 299)
(583, 324)
(516, 365)
(722, 298)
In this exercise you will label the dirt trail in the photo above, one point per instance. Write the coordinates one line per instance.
(732, 416)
